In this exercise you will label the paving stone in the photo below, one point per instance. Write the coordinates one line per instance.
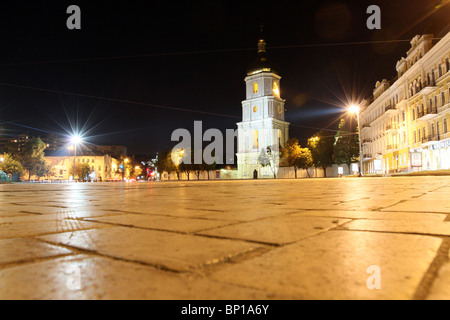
(422, 227)
(278, 231)
(70, 215)
(334, 265)
(162, 223)
(89, 277)
(16, 230)
(21, 250)
(247, 214)
(440, 289)
(169, 250)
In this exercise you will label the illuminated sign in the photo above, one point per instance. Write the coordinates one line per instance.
(416, 159)
(441, 145)
(377, 165)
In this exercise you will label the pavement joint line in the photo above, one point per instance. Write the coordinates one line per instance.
(49, 233)
(19, 263)
(435, 235)
(441, 258)
(88, 252)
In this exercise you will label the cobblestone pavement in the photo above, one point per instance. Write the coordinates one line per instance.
(349, 238)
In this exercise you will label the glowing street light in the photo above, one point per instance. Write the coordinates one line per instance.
(75, 141)
(355, 109)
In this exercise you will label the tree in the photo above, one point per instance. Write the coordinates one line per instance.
(321, 146)
(346, 146)
(291, 152)
(304, 160)
(82, 171)
(30, 153)
(43, 169)
(10, 166)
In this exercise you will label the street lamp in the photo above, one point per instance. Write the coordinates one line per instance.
(356, 110)
(75, 141)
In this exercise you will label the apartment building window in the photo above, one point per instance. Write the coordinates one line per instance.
(414, 114)
(437, 128)
(447, 64)
(415, 137)
(432, 129)
(403, 116)
(445, 126)
(424, 132)
(442, 98)
(440, 70)
(418, 134)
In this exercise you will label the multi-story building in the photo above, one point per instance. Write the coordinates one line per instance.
(405, 126)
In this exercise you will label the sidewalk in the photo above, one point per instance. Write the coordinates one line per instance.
(379, 238)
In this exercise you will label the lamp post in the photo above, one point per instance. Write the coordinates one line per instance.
(75, 140)
(356, 110)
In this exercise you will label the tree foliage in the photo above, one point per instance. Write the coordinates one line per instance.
(11, 166)
(321, 146)
(346, 146)
(30, 153)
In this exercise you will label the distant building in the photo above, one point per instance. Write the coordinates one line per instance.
(103, 167)
(405, 127)
(3, 139)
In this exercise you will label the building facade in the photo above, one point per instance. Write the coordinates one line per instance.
(405, 126)
(263, 122)
(102, 167)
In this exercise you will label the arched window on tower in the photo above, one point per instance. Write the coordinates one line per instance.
(255, 87)
(276, 89)
(255, 140)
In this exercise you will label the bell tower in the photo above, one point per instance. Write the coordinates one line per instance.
(263, 123)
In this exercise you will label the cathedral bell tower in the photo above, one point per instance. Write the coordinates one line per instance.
(263, 122)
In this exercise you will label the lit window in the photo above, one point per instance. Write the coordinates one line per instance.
(255, 139)
(255, 87)
(276, 89)
(255, 109)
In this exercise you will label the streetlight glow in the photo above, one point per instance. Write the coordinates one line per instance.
(76, 139)
(354, 109)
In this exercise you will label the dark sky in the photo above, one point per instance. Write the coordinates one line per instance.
(191, 55)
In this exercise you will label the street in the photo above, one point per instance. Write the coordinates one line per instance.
(347, 238)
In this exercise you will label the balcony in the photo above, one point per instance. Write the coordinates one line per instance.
(391, 128)
(365, 126)
(389, 108)
(423, 89)
(431, 139)
(427, 114)
(391, 147)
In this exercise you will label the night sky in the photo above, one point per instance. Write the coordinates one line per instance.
(192, 55)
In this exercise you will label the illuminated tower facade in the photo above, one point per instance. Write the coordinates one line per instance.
(262, 124)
